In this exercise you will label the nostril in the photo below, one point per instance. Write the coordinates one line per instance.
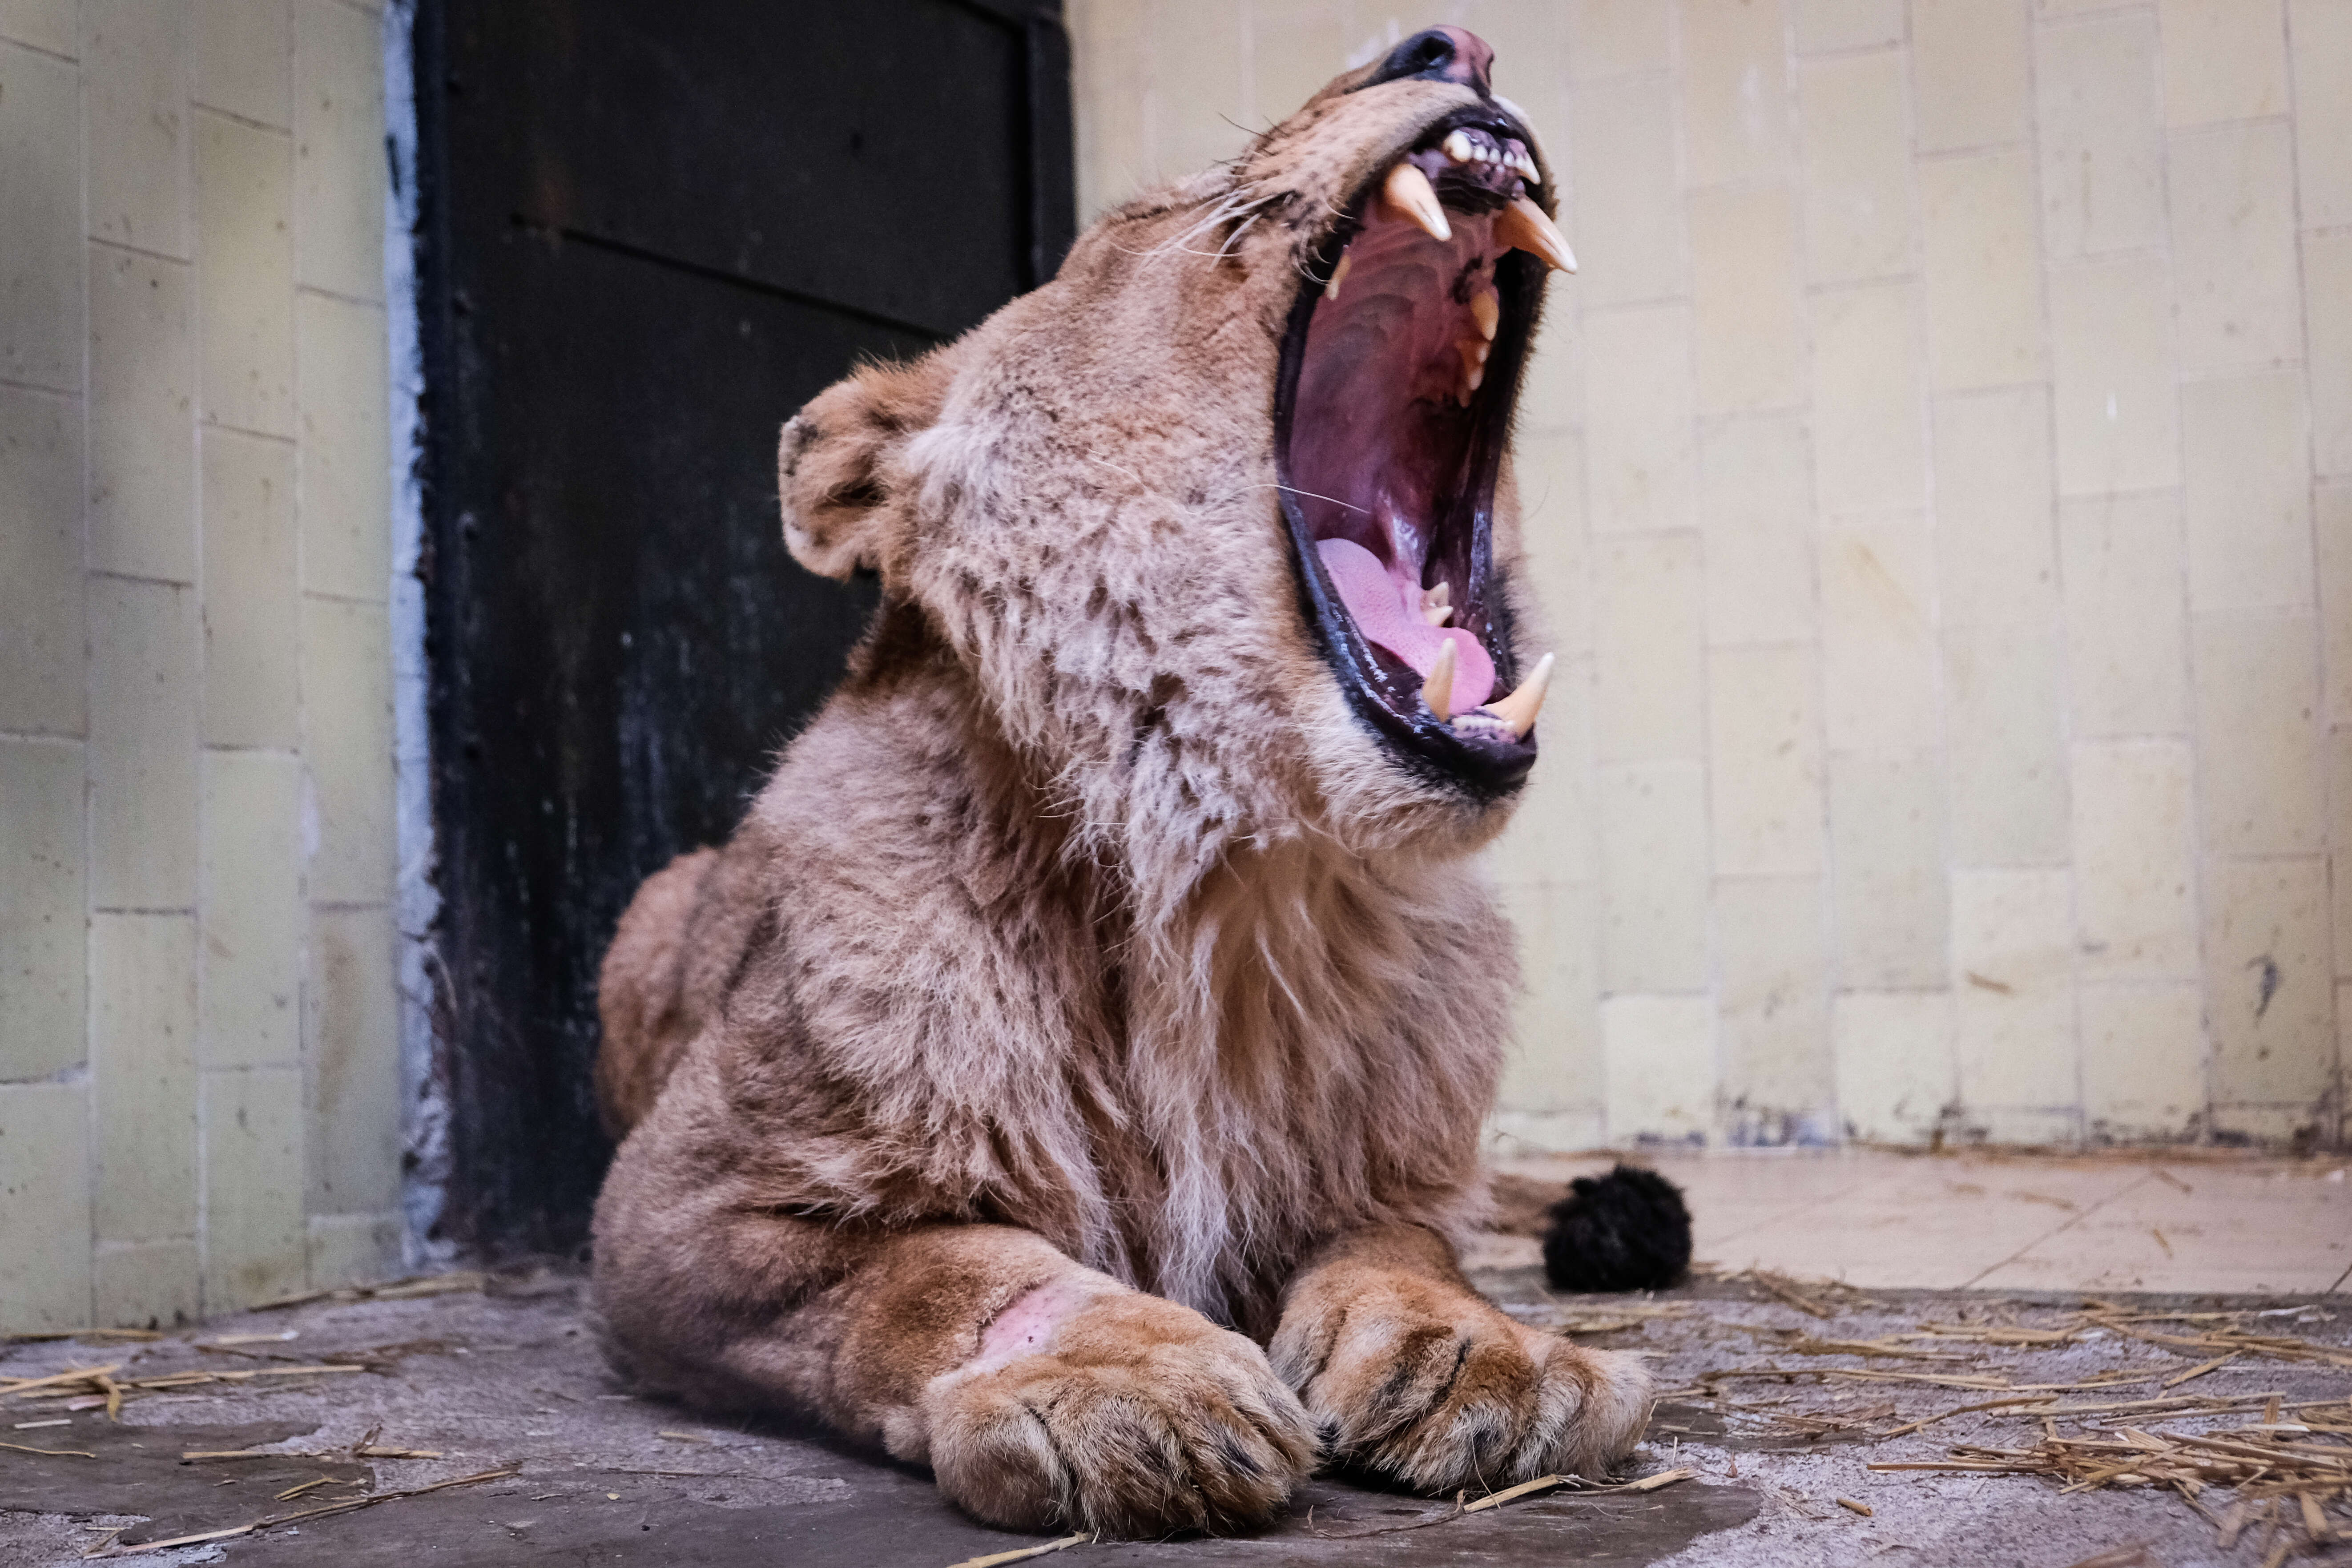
(1423, 53)
(1438, 53)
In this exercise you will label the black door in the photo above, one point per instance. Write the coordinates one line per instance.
(651, 230)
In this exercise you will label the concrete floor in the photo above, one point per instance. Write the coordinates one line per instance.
(1776, 1434)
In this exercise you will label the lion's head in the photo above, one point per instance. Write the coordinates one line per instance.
(1220, 520)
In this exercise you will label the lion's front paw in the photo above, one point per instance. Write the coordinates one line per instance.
(1140, 1416)
(1440, 1390)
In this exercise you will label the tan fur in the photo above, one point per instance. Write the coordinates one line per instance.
(1087, 945)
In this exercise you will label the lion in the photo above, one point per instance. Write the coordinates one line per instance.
(1070, 1075)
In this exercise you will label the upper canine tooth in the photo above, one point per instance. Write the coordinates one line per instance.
(1458, 147)
(1523, 226)
(1332, 289)
(1408, 191)
(1519, 711)
(1487, 311)
(1438, 690)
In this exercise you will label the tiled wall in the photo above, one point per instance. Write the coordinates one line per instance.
(1940, 483)
(199, 1102)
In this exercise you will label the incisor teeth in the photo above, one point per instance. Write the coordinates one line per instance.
(1487, 311)
(1523, 226)
(1517, 711)
(1438, 690)
(1332, 289)
(1458, 147)
(1410, 192)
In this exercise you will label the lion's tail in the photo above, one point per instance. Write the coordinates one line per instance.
(642, 994)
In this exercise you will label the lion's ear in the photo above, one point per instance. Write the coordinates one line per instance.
(836, 463)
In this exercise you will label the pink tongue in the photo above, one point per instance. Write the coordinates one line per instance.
(1388, 612)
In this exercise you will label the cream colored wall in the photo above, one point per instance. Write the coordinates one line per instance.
(1940, 480)
(199, 1100)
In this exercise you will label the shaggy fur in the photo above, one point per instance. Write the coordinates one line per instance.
(1625, 1231)
(1088, 975)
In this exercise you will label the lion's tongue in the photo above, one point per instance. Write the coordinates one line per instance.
(1388, 612)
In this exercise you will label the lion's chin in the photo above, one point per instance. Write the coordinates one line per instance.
(1391, 419)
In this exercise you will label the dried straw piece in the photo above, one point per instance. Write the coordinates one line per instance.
(997, 1559)
(348, 1505)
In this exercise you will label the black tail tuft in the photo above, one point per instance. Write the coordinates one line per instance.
(1625, 1231)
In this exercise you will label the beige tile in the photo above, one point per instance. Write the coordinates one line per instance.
(245, 212)
(1778, 1079)
(1544, 1133)
(1971, 70)
(1293, 51)
(1551, 389)
(1649, 687)
(2339, 840)
(1826, 25)
(1895, 1072)
(50, 25)
(1996, 543)
(1548, 469)
(347, 743)
(1551, 838)
(142, 434)
(252, 604)
(2013, 988)
(2143, 1060)
(144, 684)
(256, 1246)
(346, 496)
(142, 1049)
(1618, 37)
(2237, 1231)
(1891, 911)
(243, 52)
(339, 166)
(2112, 364)
(134, 58)
(2126, 617)
(1659, 1058)
(1764, 761)
(1554, 1066)
(1867, 443)
(2267, 990)
(2234, 249)
(1111, 81)
(1638, 441)
(44, 1191)
(352, 1060)
(1629, 232)
(41, 265)
(1200, 98)
(41, 615)
(41, 918)
(1878, 638)
(2248, 497)
(2102, 149)
(1654, 878)
(1734, 81)
(2004, 726)
(2322, 30)
(2327, 320)
(1756, 511)
(2135, 859)
(252, 908)
(2258, 734)
(1982, 271)
(1857, 166)
(147, 1285)
(1747, 320)
(354, 1249)
(2223, 59)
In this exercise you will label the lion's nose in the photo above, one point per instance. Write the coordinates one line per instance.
(1440, 53)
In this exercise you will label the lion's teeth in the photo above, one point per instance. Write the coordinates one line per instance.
(1487, 311)
(1438, 690)
(1458, 147)
(1523, 226)
(1332, 289)
(1410, 192)
(1517, 711)
(1437, 604)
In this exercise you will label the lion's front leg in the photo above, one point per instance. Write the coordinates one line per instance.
(1418, 1377)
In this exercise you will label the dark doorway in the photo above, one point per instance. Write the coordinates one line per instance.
(651, 229)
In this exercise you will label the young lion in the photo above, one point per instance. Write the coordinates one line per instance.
(1106, 965)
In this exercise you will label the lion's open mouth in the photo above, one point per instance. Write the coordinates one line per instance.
(1391, 414)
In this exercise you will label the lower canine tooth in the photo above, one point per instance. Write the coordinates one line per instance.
(1487, 311)
(1332, 289)
(1438, 689)
(1517, 711)
(1523, 226)
(1409, 191)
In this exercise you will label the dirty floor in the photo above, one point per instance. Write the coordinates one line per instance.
(2201, 1391)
